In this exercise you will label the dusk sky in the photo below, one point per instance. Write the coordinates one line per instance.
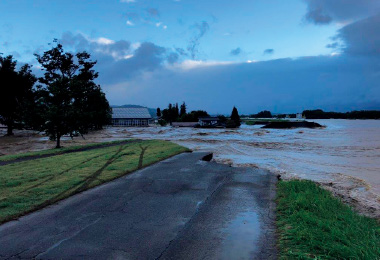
(283, 56)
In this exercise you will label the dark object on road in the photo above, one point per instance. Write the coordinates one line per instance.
(207, 157)
(289, 125)
(279, 177)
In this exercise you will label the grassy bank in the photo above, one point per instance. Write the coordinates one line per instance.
(55, 151)
(30, 185)
(312, 224)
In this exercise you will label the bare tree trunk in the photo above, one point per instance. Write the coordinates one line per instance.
(10, 128)
(58, 141)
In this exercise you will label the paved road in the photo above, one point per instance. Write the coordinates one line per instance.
(181, 208)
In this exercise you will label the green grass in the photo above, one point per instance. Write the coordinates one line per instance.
(30, 185)
(55, 151)
(312, 224)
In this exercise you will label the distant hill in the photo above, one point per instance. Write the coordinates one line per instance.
(152, 111)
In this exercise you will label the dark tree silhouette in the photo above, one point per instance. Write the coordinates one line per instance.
(170, 114)
(235, 117)
(320, 114)
(182, 110)
(176, 112)
(17, 97)
(158, 112)
(194, 116)
(73, 102)
(263, 114)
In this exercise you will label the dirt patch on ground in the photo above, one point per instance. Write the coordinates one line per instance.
(356, 193)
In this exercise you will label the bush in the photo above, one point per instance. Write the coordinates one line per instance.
(162, 122)
(231, 124)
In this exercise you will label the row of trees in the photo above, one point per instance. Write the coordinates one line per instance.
(320, 114)
(262, 114)
(66, 100)
(175, 113)
(17, 94)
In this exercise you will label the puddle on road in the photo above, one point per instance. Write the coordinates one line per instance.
(241, 236)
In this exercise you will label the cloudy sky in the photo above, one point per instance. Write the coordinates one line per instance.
(283, 56)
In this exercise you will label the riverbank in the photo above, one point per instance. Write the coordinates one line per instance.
(312, 224)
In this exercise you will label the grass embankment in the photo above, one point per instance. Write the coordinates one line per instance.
(55, 151)
(30, 185)
(312, 224)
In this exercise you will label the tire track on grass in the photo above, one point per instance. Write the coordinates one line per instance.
(143, 149)
(82, 149)
(56, 175)
(83, 187)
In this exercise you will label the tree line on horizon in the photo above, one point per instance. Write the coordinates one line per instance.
(362, 114)
(175, 113)
(320, 114)
(64, 101)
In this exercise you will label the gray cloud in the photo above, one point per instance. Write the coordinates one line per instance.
(115, 50)
(318, 17)
(116, 59)
(325, 11)
(153, 12)
(236, 52)
(343, 82)
(193, 46)
(181, 51)
(173, 57)
(362, 37)
(332, 45)
(148, 57)
(268, 51)
(331, 83)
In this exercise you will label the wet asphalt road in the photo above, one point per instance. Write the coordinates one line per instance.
(181, 208)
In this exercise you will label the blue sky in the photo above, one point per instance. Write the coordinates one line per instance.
(154, 52)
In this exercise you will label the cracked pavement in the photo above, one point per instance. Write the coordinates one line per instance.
(180, 208)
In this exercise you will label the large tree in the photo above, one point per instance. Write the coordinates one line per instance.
(158, 113)
(73, 102)
(170, 114)
(176, 112)
(17, 97)
(235, 117)
(182, 109)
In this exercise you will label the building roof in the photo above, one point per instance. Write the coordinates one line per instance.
(130, 112)
(209, 118)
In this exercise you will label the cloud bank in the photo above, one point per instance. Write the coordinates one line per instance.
(344, 11)
(148, 74)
